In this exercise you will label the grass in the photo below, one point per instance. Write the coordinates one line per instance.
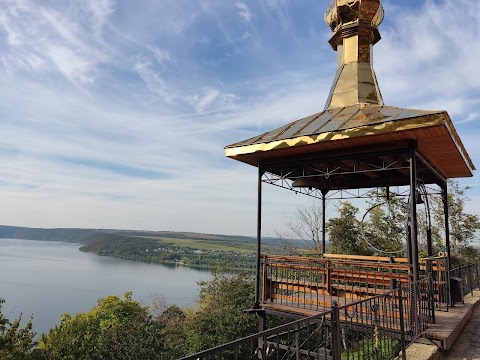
(387, 349)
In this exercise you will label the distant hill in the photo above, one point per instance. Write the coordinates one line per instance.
(66, 235)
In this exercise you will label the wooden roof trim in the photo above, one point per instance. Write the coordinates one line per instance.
(458, 143)
(374, 129)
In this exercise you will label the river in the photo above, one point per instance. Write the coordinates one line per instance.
(47, 278)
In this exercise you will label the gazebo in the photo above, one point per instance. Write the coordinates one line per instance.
(353, 307)
(356, 142)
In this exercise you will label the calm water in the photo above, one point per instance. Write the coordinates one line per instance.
(47, 278)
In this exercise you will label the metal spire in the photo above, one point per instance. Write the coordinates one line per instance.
(354, 24)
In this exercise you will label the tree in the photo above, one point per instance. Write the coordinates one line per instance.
(463, 226)
(16, 343)
(113, 329)
(304, 225)
(344, 231)
(220, 315)
(437, 233)
(385, 228)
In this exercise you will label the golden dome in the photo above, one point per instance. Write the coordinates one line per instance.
(367, 12)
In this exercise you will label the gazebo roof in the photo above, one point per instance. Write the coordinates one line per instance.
(362, 125)
(355, 116)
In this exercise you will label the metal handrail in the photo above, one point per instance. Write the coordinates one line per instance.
(264, 334)
(390, 321)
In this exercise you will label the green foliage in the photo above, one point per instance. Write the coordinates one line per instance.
(123, 329)
(345, 231)
(386, 349)
(172, 323)
(16, 343)
(463, 226)
(220, 316)
(127, 247)
(113, 329)
(150, 249)
(385, 229)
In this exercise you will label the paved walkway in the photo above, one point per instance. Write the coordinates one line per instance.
(467, 346)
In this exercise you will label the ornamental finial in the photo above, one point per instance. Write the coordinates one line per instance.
(348, 17)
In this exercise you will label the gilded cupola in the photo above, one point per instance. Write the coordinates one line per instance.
(354, 24)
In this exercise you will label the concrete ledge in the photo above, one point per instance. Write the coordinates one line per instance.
(417, 351)
(445, 331)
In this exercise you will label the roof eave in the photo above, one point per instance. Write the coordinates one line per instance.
(245, 153)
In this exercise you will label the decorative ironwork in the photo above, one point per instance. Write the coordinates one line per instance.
(310, 337)
(379, 327)
(346, 177)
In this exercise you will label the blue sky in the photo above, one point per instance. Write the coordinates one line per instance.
(114, 114)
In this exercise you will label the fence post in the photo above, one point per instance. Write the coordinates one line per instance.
(476, 269)
(470, 279)
(402, 323)
(329, 277)
(431, 296)
(297, 343)
(336, 338)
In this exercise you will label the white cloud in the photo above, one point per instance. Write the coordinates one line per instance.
(209, 98)
(202, 102)
(101, 10)
(67, 30)
(212, 97)
(421, 58)
(470, 117)
(74, 67)
(244, 11)
(162, 56)
(154, 82)
(43, 40)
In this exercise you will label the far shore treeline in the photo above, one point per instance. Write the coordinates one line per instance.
(191, 249)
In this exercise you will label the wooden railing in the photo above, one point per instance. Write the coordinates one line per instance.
(306, 285)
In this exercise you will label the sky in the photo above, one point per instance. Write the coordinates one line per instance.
(115, 113)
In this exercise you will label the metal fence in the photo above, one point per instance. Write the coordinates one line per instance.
(311, 337)
(419, 306)
(377, 328)
(468, 276)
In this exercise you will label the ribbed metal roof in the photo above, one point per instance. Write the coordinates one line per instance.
(336, 120)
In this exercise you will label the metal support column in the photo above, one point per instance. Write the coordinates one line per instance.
(324, 194)
(447, 235)
(409, 244)
(413, 210)
(429, 242)
(258, 274)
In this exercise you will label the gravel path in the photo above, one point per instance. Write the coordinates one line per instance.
(467, 346)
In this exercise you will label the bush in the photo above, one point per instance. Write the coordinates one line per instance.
(16, 343)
